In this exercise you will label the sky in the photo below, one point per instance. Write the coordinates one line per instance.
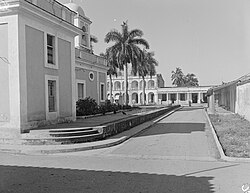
(210, 38)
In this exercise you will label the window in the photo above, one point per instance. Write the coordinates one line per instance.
(182, 96)
(52, 95)
(102, 92)
(50, 49)
(80, 87)
(84, 40)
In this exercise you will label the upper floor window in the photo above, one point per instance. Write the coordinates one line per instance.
(50, 49)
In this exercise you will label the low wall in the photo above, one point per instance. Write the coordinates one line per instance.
(243, 102)
(122, 125)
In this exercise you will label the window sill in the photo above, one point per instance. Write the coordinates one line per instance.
(53, 66)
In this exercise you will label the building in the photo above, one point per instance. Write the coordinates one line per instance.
(46, 63)
(152, 84)
(183, 95)
(234, 96)
(155, 91)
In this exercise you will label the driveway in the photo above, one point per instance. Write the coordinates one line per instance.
(183, 135)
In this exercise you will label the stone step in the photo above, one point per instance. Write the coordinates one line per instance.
(53, 140)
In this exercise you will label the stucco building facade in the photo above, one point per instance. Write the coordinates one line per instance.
(155, 90)
(46, 63)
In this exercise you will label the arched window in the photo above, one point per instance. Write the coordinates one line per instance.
(117, 85)
(151, 84)
(134, 85)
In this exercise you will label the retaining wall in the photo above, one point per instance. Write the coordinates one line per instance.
(123, 125)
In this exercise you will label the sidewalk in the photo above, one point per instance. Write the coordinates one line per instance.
(108, 142)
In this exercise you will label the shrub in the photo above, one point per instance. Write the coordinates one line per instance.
(87, 106)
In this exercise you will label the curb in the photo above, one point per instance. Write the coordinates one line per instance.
(223, 157)
(144, 126)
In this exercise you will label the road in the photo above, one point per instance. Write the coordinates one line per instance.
(177, 154)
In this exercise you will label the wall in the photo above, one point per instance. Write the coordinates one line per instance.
(227, 97)
(4, 74)
(243, 100)
(35, 74)
(65, 83)
(91, 86)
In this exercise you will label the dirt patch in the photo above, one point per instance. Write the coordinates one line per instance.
(233, 133)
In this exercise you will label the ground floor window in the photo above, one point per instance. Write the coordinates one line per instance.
(80, 87)
(52, 95)
(182, 96)
(102, 92)
(164, 97)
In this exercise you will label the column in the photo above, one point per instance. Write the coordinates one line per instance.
(199, 97)
(156, 98)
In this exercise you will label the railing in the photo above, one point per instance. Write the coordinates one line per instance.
(55, 8)
(91, 58)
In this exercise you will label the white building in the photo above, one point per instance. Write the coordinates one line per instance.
(155, 91)
(46, 64)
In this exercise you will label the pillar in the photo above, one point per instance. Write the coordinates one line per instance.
(156, 98)
(199, 97)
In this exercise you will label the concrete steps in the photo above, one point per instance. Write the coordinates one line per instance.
(58, 136)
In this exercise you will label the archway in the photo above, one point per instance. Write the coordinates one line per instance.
(134, 98)
(151, 97)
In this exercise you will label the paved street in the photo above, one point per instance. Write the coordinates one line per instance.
(177, 154)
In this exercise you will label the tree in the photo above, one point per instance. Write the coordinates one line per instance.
(145, 66)
(191, 80)
(178, 77)
(112, 64)
(126, 49)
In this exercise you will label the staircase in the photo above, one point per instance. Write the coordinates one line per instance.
(62, 136)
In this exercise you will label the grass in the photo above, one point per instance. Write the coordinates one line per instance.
(233, 132)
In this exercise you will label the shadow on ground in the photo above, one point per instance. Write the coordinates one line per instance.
(50, 180)
(168, 128)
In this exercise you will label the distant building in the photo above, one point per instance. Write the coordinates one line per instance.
(152, 84)
(155, 91)
(46, 63)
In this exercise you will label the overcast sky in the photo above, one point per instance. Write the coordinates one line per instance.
(210, 38)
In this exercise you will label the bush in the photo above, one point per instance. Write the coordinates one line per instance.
(87, 106)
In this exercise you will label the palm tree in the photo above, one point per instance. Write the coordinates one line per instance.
(112, 64)
(146, 66)
(191, 80)
(126, 49)
(178, 77)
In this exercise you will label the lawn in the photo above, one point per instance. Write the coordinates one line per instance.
(233, 132)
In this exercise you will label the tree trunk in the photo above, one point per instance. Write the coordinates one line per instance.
(110, 89)
(143, 90)
(126, 84)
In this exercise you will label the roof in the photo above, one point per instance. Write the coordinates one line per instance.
(242, 80)
(76, 8)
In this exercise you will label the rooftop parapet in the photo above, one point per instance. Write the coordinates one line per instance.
(55, 8)
(52, 7)
(90, 58)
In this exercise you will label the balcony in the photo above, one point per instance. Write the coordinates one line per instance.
(90, 58)
(53, 7)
